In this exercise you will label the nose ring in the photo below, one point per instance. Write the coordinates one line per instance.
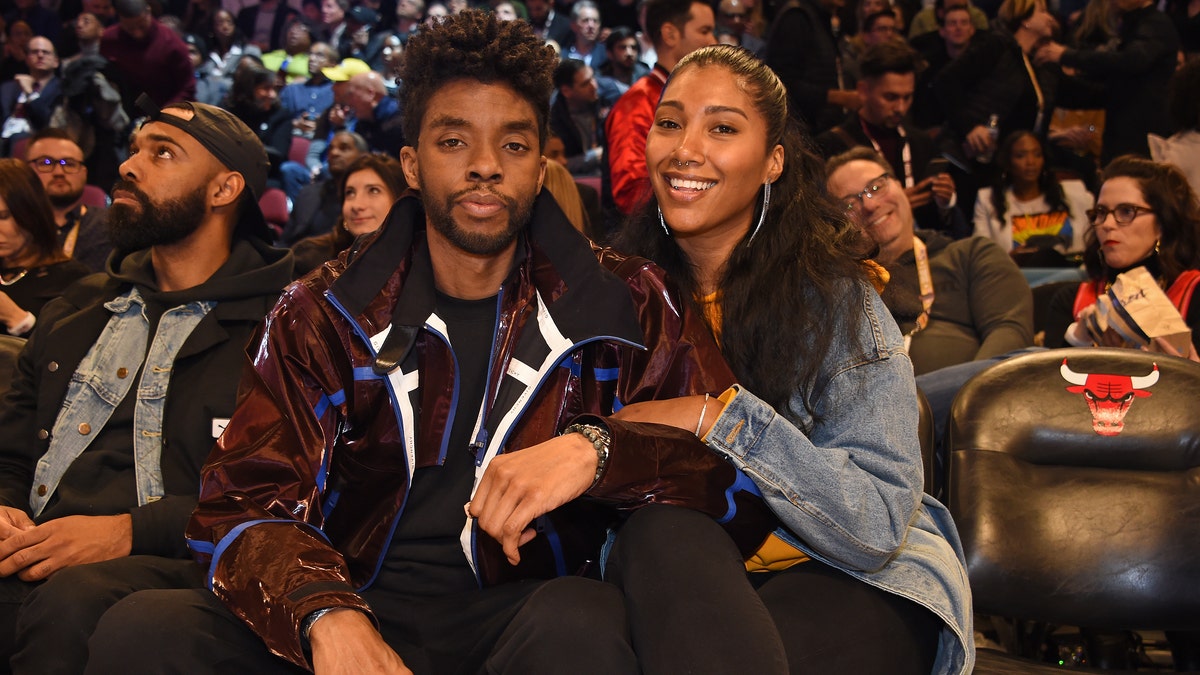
(679, 163)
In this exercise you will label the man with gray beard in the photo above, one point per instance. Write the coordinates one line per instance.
(126, 382)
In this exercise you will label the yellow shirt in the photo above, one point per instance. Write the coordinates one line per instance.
(775, 554)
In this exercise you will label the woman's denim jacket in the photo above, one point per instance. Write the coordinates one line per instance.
(848, 488)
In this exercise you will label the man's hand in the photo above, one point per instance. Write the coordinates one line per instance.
(38, 552)
(345, 641)
(13, 521)
(520, 486)
(942, 186)
(920, 194)
(683, 412)
(1051, 52)
(846, 98)
(25, 82)
(979, 141)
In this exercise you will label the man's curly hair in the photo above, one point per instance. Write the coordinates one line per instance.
(475, 45)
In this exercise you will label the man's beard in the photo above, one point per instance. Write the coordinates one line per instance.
(153, 224)
(477, 243)
(63, 200)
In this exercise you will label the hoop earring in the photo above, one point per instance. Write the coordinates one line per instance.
(762, 216)
(663, 222)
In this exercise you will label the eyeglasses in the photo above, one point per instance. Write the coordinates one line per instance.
(46, 164)
(852, 202)
(1122, 213)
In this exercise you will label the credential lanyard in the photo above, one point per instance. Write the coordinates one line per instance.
(925, 280)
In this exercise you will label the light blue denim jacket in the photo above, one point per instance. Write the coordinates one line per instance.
(849, 492)
(97, 389)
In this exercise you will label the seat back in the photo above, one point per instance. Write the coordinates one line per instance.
(275, 209)
(1076, 489)
(298, 150)
(94, 196)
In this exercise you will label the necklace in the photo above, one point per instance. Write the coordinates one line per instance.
(9, 282)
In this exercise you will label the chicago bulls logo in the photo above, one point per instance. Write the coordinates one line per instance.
(1108, 396)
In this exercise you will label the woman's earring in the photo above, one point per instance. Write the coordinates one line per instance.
(1156, 242)
(762, 216)
(663, 222)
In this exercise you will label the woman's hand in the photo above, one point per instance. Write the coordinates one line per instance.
(1162, 346)
(682, 412)
(10, 313)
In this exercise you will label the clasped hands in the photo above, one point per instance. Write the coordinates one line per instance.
(34, 552)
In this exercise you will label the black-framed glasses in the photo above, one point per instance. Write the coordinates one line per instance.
(1122, 213)
(45, 164)
(852, 202)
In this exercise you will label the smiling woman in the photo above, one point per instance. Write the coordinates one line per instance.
(823, 420)
(33, 269)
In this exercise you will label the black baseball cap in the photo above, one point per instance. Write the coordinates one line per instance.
(233, 144)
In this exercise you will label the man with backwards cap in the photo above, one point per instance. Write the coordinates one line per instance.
(126, 382)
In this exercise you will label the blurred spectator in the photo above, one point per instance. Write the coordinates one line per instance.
(41, 21)
(886, 94)
(254, 99)
(996, 76)
(146, 57)
(575, 117)
(291, 61)
(265, 24)
(18, 36)
(559, 183)
(937, 49)
(362, 40)
(28, 100)
(1186, 16)
(623, 66)
(92, 113)
(33, 268)
(88, 30)
(585, 44)
(227, 44)
(198, 16)
(377, 116)
(1183, 103)
(435, 12)
(506, 11)
(393, 60)
(211, 86)
(308, 100)
(927, 20)
(677, 28)
(82, 230)
(333, 16)
(102, 9)
(734, 15)
(372, 183)
(317, 207)
(1027, 210)
(803, 50)
(408, 17)
(1132, 78)
(546, 22)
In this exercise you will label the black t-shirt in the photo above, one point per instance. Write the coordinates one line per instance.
(425, 557)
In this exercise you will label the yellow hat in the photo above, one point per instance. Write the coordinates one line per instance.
(346, 70)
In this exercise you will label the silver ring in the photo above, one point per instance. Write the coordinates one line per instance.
(679, 163)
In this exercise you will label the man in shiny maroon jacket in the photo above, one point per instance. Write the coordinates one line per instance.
(437, 368)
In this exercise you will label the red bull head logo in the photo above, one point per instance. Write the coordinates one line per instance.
(1108, 396)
